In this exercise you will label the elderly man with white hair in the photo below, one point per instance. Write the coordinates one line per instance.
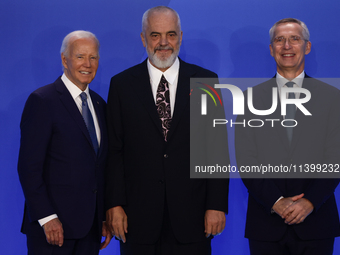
(62, 157)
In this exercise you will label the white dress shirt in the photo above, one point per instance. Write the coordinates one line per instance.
(281, 82)
(171, 75)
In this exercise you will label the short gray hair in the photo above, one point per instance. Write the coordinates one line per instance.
(305, 31)
(158, 9)
(75, 35)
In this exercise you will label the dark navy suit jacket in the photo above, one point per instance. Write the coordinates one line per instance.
(316, 140)
(59, 170)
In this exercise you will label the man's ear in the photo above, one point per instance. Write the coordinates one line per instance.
(63, 60)
(143, 39)
(180, 42)
(308, 47)
(271, 50)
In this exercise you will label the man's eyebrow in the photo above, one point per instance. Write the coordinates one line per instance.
(288, 36)
(158, 33)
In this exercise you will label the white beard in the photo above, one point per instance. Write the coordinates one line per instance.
(160, 63)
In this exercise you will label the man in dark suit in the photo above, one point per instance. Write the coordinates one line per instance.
(291, 215)
(62, 156)
(153, 205)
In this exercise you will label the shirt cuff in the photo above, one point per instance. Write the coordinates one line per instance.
(43, 221)
(272, 211)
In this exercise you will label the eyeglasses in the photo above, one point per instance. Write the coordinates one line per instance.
(293, 40)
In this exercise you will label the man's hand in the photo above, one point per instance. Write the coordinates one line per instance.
(107, 234)
(214, 222)
(281, 205)
(298, 211)
(54, 232)
(116, 220)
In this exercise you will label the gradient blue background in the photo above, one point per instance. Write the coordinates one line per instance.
(229, 37)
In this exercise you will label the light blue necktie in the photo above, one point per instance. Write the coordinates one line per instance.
(290, 112)
(87, 116)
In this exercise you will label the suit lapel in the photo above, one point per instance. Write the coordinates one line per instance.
(72, 108)
(100, 118)
(182, 95)
(300, 117)
(279, 129)
(142, 87)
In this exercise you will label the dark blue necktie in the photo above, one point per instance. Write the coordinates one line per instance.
(89, 121)
(290, 112)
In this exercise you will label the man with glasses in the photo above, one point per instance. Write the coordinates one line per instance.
(287, 215)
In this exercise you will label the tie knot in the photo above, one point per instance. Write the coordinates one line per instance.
(83, 96)
(163, 85)
(290, 84)
(164, 81)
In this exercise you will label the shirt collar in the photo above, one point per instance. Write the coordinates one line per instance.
(281, 81)
(170, 74)
(72, 88)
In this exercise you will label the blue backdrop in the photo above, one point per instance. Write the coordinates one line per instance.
(229, 37)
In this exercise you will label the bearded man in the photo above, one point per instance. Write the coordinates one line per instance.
(153, 205)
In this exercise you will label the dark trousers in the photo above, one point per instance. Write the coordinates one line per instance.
(89, 245)
(291, 244)
(167, 244)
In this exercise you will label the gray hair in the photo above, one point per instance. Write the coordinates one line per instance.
(75, 35)
(161, 8)
(305, 31)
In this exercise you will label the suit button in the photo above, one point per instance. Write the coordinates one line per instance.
(161, 181)
(94, 191)
(166, 156)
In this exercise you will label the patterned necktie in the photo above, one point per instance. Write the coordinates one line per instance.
(163, 105)
(290, 113)
(87, 116)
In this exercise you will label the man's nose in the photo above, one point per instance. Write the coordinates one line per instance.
(164, 40)
(87, 62)
(287, 44)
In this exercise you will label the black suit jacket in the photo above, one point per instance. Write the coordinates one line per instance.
(144, 171)
(59, 170)
(316, 140)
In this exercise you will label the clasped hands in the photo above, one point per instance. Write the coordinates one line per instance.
(293, 210)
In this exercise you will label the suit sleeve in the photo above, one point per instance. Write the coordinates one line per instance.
(115, 181)
(321, 189)
(217, 152)
(36, 129)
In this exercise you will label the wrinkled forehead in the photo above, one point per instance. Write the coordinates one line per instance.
(80, 44)
(288, 29)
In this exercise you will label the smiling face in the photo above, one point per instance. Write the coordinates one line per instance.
(81, 62)
(162, 39)
(290, 59)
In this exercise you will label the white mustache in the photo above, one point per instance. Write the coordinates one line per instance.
(164, 48)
